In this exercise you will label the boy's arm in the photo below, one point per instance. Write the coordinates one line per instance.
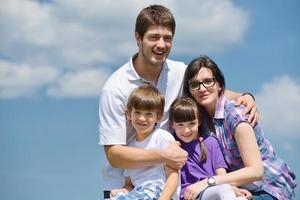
(171, 184)
(129, 157)
(247, 100)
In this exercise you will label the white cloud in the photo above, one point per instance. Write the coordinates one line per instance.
(23, 80)
(85, 83)
(278, 102)
(213, 26)
(72, 36)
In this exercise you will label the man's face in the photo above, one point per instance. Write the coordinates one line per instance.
(155, 45)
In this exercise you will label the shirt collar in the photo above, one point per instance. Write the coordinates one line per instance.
(132, 75)
(220, 108)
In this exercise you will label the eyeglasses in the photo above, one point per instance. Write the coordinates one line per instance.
(207, 83)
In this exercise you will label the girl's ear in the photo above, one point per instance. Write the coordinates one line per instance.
(127, 114)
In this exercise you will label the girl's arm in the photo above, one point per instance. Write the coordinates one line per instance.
(171, 184)
(220, 171)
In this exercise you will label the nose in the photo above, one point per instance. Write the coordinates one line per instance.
(161, 43)
(187, 130)
(201, 88)
(141, 118)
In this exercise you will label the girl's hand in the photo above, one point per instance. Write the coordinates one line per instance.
(242, 192)
(193, 190)
(114, 192)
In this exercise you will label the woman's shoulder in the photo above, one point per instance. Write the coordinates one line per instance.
(233, 112)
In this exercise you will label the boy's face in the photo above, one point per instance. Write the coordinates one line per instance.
(155, 45)
(186, 131)
(143, 121)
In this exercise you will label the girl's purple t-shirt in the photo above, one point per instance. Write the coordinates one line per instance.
(196, 170)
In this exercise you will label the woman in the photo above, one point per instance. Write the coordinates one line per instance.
(250, 157)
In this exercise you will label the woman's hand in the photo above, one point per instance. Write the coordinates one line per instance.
(242, 192)
(193, 190)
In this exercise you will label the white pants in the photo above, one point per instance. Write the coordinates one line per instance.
(220, 192)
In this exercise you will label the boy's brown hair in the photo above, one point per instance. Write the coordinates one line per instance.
(146, 97)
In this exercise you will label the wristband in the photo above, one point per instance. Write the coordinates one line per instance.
(249, 94)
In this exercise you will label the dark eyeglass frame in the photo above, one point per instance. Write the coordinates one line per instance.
(207, 83)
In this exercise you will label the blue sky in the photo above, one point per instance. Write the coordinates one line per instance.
(56, 55)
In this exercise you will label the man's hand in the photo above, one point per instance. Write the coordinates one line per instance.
(175, 156)
(242, 192)
(251, 108)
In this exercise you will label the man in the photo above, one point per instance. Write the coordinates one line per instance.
(154, 31)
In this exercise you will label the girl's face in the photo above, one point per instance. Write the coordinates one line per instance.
(186, 131)
(207, 94)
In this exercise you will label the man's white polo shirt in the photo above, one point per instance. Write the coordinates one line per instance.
(113, 128)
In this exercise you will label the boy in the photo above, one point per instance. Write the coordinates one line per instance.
(145, 108)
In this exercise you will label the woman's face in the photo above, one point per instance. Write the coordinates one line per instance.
(208, 89)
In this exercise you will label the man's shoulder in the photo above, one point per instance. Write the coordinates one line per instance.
(117, 78)
(173, 64)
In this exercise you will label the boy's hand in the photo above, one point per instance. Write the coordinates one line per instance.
(175, 156)
(242, 192)
(248, 101)
(114, 192)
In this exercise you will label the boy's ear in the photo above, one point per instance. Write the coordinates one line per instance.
(127, 114)
(159, 116)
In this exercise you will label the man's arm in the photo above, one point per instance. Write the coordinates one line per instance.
(121, 156)
(247, 100)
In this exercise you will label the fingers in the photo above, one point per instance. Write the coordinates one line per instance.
(238, 101)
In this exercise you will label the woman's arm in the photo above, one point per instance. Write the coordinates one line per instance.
(171, 184)
(250, 155)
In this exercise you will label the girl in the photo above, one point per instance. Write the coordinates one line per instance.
(204, 155)
(250, 157)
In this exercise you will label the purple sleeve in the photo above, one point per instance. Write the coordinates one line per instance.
(213, 147)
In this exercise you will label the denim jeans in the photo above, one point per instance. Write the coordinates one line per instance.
(263, 196)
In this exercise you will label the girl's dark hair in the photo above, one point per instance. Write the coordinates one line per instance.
(185, 109)
(194, 67)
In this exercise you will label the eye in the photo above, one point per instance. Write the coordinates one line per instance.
(209, 82)
(194, 85)
(153, 37)
(167, 39)
(149, 114)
